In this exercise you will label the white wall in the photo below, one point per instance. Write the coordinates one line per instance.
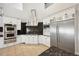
(13, 10)
(18, 6)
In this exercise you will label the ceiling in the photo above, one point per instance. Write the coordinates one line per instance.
(23, 10)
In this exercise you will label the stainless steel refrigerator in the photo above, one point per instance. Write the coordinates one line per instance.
(62, 34)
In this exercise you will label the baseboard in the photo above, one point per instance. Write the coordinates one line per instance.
(43, 44)
(37, 44)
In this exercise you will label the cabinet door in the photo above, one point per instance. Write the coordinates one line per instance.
(30, 39)
(1, 21)
(23, 38)
(14, 21)
(7, 20)
(1, 42)
(41, 39)
(47, 41)
(18, 24)
(26, 39)
(44, 40)
(19, 39)
(35, 41)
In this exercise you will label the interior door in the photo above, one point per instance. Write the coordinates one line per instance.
(53, 34)
(66, 35)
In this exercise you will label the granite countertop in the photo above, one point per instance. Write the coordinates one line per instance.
(47, 35)
(35, 35)
(29, 35)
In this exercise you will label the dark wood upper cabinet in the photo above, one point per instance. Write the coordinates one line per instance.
(31, 29)
(23, 28)
(40, 28)
(1, 29)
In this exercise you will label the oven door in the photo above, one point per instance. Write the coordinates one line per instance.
(9, 28)
(9, 35)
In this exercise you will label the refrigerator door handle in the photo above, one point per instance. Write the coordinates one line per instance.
(57, 33)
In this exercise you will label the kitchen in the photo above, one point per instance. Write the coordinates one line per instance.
(36, 29)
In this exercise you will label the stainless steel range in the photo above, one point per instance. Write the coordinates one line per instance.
(9, 33)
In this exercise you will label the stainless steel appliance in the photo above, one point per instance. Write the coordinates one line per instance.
(1, 31)
(9, 33)
(9, 28)
(62, 34)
